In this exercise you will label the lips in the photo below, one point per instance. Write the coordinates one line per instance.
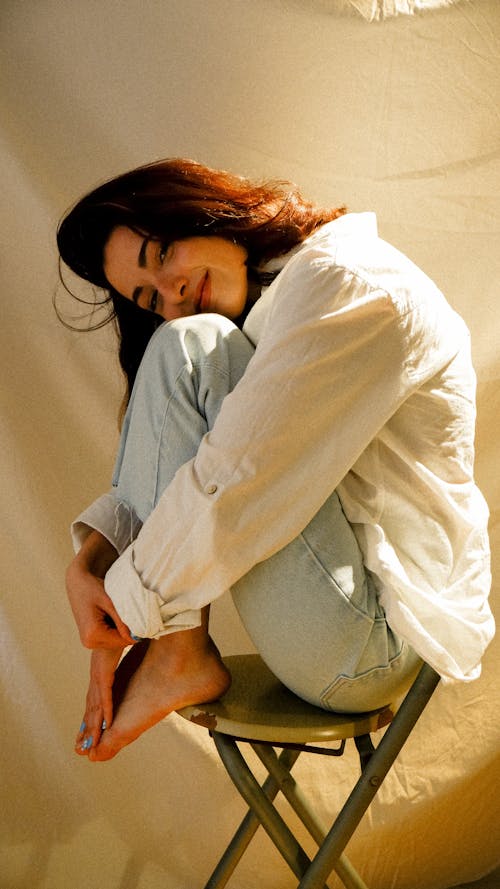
(203, 294)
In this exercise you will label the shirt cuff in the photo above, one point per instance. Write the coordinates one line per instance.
(113, 518)
(143, 610)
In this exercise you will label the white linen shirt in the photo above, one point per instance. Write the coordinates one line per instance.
(362, 382)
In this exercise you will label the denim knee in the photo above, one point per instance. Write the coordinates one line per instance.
(199, 339)
(189, 367)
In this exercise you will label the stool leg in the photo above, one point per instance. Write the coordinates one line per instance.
(292, 792)
(371, 778)
(271, 820)
(247, 829)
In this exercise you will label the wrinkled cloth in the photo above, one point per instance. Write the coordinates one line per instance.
(362, 382)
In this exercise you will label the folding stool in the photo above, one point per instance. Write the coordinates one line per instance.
(258, 710)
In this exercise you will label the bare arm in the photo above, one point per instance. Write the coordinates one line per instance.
(97, 620)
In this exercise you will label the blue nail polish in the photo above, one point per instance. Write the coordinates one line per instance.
(135, 638)
(104, 725)
(87, 744)
(83, 727)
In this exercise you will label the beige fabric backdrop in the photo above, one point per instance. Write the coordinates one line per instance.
(400, 117)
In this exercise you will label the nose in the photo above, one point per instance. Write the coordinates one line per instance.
(171, 287)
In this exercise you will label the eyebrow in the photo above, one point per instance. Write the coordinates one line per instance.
(141, 261)
(142, 252)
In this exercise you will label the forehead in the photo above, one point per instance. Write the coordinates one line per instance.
(122, 258)
(122, 242)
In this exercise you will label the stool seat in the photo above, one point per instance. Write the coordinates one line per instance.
(258, 707)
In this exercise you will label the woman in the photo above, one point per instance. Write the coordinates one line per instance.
(317, 462)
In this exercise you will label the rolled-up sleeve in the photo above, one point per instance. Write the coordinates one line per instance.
(113, 518)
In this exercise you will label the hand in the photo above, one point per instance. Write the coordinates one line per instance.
(98, 714)
(98, 622)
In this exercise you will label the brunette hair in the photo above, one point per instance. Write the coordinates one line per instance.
(169, 200)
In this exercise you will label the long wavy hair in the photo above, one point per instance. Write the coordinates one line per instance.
(169, 200)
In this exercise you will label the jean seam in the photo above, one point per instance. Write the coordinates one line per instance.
(342, 678)
(334, 582)
(197, 367)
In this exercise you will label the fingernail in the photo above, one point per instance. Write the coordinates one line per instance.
(87, 744)
(83, 727)
(104, 725)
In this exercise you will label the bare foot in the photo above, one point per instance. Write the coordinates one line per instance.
(176, 670)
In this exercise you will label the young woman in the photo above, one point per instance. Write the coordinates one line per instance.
(300, 431)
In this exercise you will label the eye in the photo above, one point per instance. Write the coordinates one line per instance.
(153, 302)
(162, 253)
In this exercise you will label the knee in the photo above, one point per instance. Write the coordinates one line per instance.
(196, 342)
(187, 339)
(202, 325)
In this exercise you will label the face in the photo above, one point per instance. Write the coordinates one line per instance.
(200, 274)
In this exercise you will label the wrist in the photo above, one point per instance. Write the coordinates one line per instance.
(96, 555)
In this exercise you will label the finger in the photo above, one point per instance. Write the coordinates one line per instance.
(108, 709)
(99, 634)
(119, 625)
(90, 727)
(86, 745)
(103, 667)
(83, 740)
(96, 734)
(111, 637)
(83, 733)
(101, 718)
(80, 733)
(94, 729)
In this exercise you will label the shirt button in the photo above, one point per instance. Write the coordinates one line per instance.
(210, 489)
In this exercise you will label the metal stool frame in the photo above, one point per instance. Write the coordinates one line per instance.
(375, 764)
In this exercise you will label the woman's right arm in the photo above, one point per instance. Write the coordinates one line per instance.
(99, 535)
(98, 622)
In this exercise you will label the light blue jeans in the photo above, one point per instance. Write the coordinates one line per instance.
(311, 609)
